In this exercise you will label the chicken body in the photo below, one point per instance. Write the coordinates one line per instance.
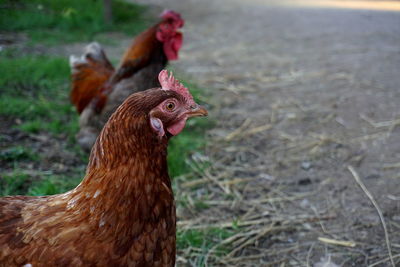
(122, 213)
(79, 229)
(98, 89)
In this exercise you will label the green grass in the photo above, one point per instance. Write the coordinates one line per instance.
(60, 21)
(35, 94)
(18, 153)
(203, 240)
(20, 182)
(14, 184)
(54, 184)
(191, 140)
(35, 91)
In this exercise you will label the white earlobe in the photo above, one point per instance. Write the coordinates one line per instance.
(157, 126)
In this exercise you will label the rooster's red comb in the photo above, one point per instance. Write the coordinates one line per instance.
(172, 15)
(168, 82)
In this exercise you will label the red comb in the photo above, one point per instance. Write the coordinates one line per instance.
(170, 83)
(175, 16)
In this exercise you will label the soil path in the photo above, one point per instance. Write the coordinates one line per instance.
(300, 93)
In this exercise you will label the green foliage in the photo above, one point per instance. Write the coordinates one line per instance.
(35, 90)
(48, 21)
(20, 183)
(14, 184)
(17, 153)
(54, 184)
(203, 240)
(28, 73)
(181, 146)
(200, 205)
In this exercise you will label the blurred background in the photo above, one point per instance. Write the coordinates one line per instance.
(304, 98)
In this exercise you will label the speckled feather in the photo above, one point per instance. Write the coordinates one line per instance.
(123, 212)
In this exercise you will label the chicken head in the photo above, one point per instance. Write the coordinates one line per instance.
(171, 114)
(167, 33)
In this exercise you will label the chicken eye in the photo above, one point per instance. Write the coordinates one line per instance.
(170, 106)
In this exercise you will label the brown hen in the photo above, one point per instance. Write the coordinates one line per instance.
(123, 212)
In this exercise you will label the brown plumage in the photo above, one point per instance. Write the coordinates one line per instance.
(98, 89)
(123, 212)
(89, 75)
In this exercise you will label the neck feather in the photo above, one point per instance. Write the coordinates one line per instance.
(126, 177)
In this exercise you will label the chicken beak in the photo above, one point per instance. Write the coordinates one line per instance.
(196, 111)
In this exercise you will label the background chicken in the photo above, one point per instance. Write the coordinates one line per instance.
(123, 212)
(98, 89)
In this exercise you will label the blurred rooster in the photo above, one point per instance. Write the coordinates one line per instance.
(123, 212)
(98, 89)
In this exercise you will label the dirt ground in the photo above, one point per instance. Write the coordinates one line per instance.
(299, 94)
